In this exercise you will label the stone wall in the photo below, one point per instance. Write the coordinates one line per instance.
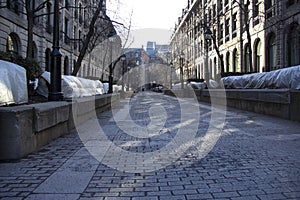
(283, 103)
(26, 128)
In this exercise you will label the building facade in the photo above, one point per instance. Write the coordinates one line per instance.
(74, 18)
(246, 36)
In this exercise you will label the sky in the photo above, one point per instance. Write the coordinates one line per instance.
(161, 14)
(152, 20)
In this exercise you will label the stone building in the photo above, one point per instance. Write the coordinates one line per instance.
(247, 36)
(74, 18)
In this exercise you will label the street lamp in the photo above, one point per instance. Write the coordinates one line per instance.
(171, 67)
(181, 68)
(123, 58)
(128, 68)
(111, 39)
(55, 93)
(207, 37)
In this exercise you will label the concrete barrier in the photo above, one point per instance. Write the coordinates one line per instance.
(26, 128)
(283, 103)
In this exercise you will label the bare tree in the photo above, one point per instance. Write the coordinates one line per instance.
(89, 36)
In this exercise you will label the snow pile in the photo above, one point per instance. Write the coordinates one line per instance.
(13, 84)
(72, 86)
(287, 78)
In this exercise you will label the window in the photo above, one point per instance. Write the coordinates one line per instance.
(235, 62)
(66, 34)
(258, 55)
(234, 25)
(14, 5)
(271, 52)
(34, 51)
(227, 62)
(47, 60)
(227, 29)
(12, 44)
(67, 4)
(221, 34)
(247, 58)
(220, 6)
(226, 4)
(66, 66)
(49, 28)
(79, 42)
(80, 14)
(289, 3)
(293, 45)
(255, 12)
(270, 8)
(75, 43)
(76, 10)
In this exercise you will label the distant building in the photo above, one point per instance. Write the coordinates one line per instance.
(151, 48)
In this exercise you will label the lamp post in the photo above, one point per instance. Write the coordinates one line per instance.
(171, 67)
(111, 39)
(128, 68)
(181, 69)
(55, 93)
(207, 37)
(123, 58)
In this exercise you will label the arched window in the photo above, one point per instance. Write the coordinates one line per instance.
(66, 66)
(235, 61)
(13, 44)
(293, 45)
(227, 62)
(222, 61)
(47, 59)
(258, 55)
(271, 52)
(247, 58)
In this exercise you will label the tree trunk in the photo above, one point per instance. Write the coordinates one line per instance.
(247, 27)
(91, 31)
(30, 24)
(219, 54)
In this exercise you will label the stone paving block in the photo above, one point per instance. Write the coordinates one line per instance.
(53, 196)
(62, 182)
(225, 194)
(272, 196)
(245, 198)
(145, 198)
(199, 196)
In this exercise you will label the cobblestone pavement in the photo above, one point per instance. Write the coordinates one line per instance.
(256, 157)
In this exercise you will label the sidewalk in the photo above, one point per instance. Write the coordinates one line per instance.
(148, 148)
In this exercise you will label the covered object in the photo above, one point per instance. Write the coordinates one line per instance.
(13, 84)
(287, 78)
(72, 86)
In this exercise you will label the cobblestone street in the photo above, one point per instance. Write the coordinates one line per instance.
(255, 157)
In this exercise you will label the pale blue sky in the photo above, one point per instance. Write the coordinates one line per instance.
(161, 14)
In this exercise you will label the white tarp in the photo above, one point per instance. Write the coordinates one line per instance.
(13, 84)
(287, 78)
(72, 86)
